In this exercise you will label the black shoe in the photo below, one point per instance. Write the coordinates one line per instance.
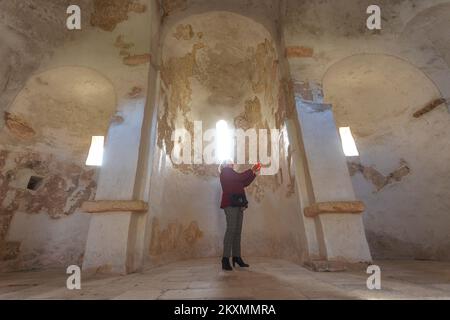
(226, 264)
(240, 262)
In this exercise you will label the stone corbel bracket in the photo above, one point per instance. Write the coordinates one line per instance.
(103, 206)
(351, 207)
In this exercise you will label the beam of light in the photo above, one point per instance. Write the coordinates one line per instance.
(224, 141)
(95, 156)
(348, 142)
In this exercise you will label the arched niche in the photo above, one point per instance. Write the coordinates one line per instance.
(44, 146)
(403, 162)
(218, 66)
(429, 28)
(428, 39)
(261, 12)
(374, 92)
(59, 110)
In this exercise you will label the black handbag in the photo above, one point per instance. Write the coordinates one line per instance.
(238, 200)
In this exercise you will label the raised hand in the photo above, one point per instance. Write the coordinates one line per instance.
(256, 168)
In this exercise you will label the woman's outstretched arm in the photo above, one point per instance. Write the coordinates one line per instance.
(250, 178)
(245, 177)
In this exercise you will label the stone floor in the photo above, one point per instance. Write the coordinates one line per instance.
(266, 279)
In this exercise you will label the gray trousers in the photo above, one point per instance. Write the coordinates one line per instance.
(232, 239)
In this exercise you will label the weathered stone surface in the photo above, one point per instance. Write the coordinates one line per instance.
(354, 207)
(137, 59)
(229, 69)
(176, 238)
(64, 187)
(170, 6)
(429, 107)
(334, 266)
(108, 13)
(184, 32)
(267, 279)
(176, 74)
(379, 180)
(251, 117)
(120, 43)
(303, 90)
(117, 119)
(137, 7)
(30, 29)
(299, 52)
(64, 121)
(135, 92)
(18, 127)
(124, 53)
(9, 250)
(100, 206)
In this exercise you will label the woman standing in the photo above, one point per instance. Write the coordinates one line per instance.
(234, 202)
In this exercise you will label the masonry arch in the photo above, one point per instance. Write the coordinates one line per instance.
(383, 77)
(45, 142)
(425, 34)
(219, 65)
(60, 109)
(377, 95)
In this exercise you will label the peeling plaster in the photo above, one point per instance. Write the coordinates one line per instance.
(137, 59)
(108, 13)
(429, 107)
(176, 237)
(252, 117)
(24, 48)
(64, 188)
(120, 43)
(226, 68)
(184, 32)
(18, 127)
(171, 6)
(299, 52)
(135, 92)
(378, 180)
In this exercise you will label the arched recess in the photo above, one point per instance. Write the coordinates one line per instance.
(219, 66)
(427, 33)
(382, 76)
(60, 109)
(263, 12)
(403, 163)
(429, 26)
(45, 142)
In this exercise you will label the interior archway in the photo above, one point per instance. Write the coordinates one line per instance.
(426, 30)
(45, 142)
(377, 95)
(219, 66)
(59, 110)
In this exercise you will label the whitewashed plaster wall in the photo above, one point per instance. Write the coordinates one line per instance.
(218, 65)
(77, 84)
(375, 82)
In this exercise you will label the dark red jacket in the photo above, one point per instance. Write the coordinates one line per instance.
(234, 183)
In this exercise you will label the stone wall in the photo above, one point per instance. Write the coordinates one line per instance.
(376, 82)
(58, 88)
(219, 65)
(36, 184)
